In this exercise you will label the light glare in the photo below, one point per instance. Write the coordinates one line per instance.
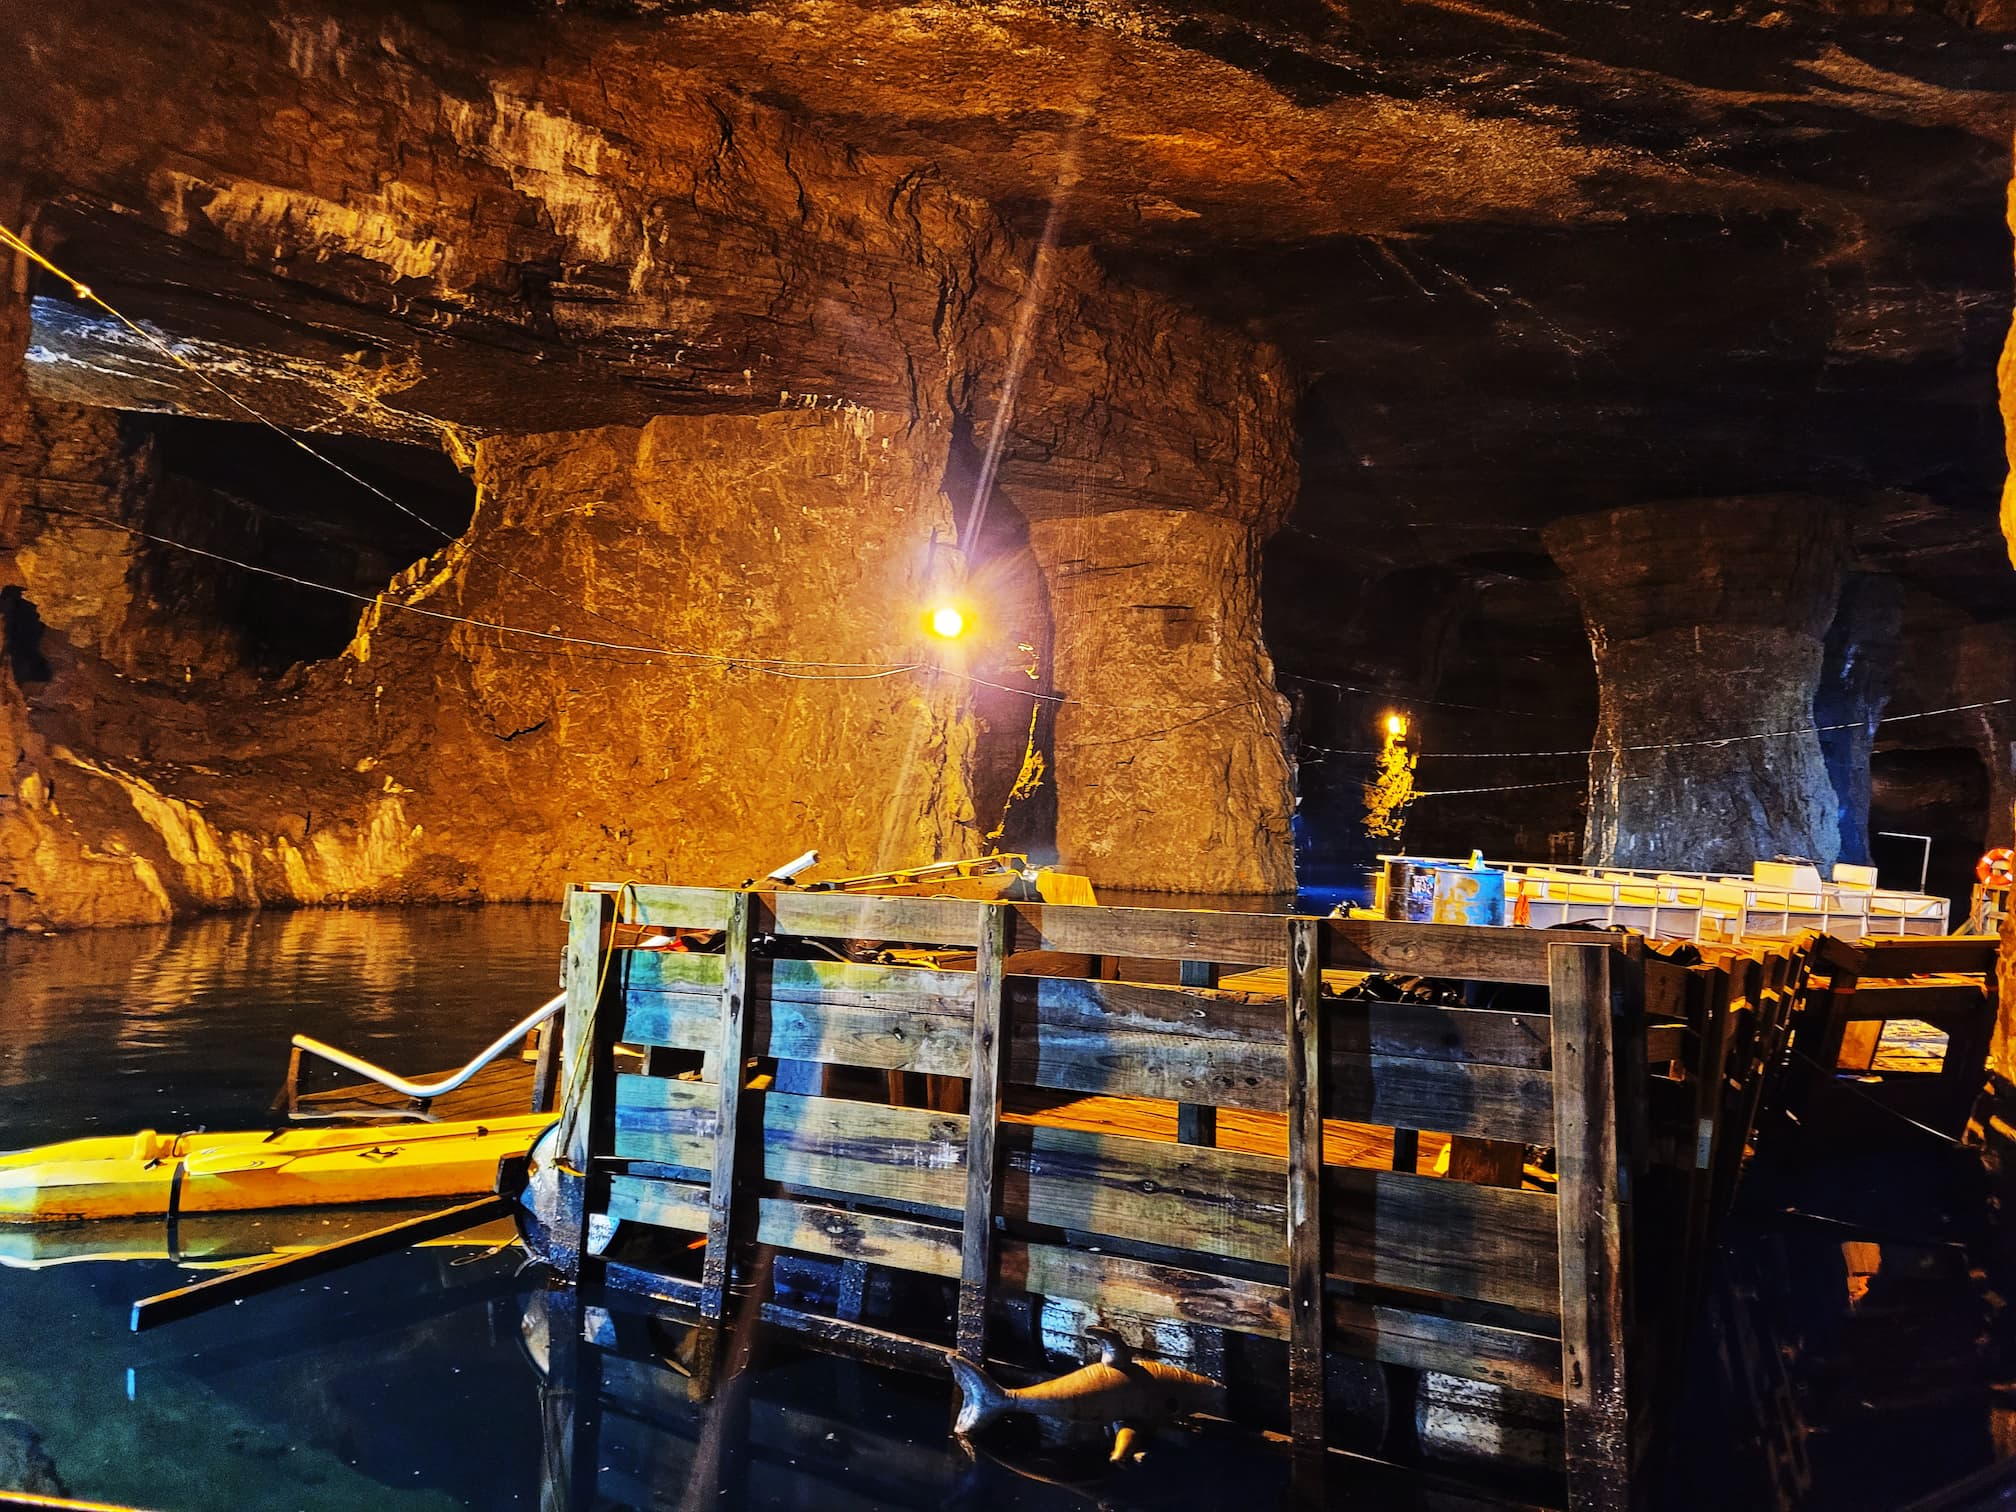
(948, 622)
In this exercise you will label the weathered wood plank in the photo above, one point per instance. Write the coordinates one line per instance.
(666, 1122)
(1305, 1096)
(730, 1050)
(661, 1204)
(1446, 1097)
(1595, 1406)
(1428, 1341)
(1426, 1233)
(1910, 956)
(1935, 1003)
(1159, 934)
(1062, 1039)
(983, 1118)
(1397, 1336)
(588, 918)
(1473, 952)
(868, 916)
(1389, 1228)
(674, 907)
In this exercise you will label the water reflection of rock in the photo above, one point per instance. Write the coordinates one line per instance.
(25, 1464)
(187, 1024)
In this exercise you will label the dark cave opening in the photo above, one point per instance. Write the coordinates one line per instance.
(1942, 794)
(252, 493)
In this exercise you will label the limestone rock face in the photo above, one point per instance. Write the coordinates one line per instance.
(1171, 775)
(764, 689)
(1707, 619)
(728, 384)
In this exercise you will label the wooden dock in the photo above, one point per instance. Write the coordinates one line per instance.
(1170, 1120)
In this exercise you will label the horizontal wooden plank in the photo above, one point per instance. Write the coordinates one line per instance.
(1667, 1042)
(1125, 1040)
(661, 1204)
(1907, 956)
(1425, 1233)
(1446, 1097)
(1388, 1228)
(1114, 1282)
(1221, 1073)
(1422, 1031)
(665, 1121)
(1505, 1357)
(1394, 1335)
(868, 916)
(674, 971)
(1159, 934)
(1480, 953)
(1937, 1003)
(817, 1228)
(671, 907)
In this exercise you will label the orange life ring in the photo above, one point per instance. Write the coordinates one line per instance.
(1997, 868)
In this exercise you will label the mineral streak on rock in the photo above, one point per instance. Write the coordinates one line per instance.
(1855, 682)
(1707, 619)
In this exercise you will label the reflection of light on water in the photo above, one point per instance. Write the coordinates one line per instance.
(186, 1025)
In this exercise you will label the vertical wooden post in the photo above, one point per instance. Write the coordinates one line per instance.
(585, 1085)
(731, 1050)
(983, 1117)
(1305, 1183)
(1197, 1123)
(546, 1068)
(589, 915)
(1595, 1409)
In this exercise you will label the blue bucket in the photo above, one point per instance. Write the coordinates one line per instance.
(1468, 895)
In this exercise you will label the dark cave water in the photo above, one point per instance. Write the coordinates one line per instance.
(403, 1382)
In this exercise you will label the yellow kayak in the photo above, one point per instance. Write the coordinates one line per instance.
(150, 1175)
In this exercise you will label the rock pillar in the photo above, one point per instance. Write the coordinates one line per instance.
(1707, 620)
(1171, 776)
(1855, 674)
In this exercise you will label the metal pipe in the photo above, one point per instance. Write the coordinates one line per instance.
(448, 1083)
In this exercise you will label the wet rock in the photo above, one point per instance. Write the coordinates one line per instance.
(25, 1464)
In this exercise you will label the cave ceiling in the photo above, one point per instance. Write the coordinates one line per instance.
(1527, 258)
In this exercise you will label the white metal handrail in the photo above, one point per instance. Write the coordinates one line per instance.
(447, 1084)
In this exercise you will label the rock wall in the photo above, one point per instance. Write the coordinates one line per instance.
(716, 372)
(1172, 776)
(1707, 618)
(758, 581)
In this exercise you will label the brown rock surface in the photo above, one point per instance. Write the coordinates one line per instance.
(1170, 772)
(1707, 619)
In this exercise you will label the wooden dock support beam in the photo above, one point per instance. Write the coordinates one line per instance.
(1197, 1123)
(731, 1050)
(1307, 1314)
(1594, 1404)
(983, 1118)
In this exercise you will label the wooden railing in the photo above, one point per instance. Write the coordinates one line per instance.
(1508, 1283)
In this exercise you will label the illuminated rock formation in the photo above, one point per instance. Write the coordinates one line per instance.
(1707, 619)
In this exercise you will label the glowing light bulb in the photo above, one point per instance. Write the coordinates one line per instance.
(948, 622)
(1396, 725)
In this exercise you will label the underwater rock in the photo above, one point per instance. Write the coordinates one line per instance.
(25, 1464)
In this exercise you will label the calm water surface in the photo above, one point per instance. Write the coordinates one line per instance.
(404, 1383)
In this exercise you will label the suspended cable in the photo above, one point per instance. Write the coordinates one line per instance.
(769, 666)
